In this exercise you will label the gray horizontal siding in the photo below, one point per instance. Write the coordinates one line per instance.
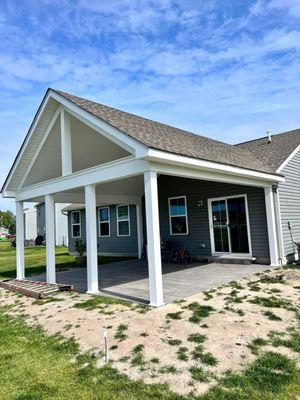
(114, 244)
(289, 197)
(198, 219)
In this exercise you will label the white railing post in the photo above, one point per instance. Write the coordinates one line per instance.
(50, 238)
(153, 239)
(272, 229)
(20, 239)
(91, 239)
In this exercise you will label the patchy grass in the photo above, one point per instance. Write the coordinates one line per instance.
(175, 315)
(46, 300)
(199, 374)
(235, 285)
(169, 369)
(272, 302)
(120, 332)
(256, 344)
(272, 316)
(292, 342)
(196, 338)
(97, 302)
(174, 342)
(271, 376)
(199, 311)
(182, 354)
(205, 358)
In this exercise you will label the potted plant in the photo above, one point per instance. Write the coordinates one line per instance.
(80, 248)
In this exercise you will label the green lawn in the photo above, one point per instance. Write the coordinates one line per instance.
(37, 367)
(35, 260)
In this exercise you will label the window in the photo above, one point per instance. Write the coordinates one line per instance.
(75, 224)
(123, 220)
(104, 221)
(178, 216)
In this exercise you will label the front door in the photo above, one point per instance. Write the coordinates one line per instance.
(229, 225)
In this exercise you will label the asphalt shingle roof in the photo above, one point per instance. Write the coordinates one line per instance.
(277, 151)
(167, 138)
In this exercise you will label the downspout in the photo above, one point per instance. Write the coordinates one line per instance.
(278, 225)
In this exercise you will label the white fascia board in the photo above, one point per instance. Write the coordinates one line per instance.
(111, 171)
(100, 126)
(9, 194)
(287, 160)
(101, 200)
(29, 135)
(189, 162)
(202, 174)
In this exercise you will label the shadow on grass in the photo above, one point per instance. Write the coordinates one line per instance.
(29, 271)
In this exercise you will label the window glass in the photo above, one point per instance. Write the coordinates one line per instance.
(178, 216)
(123, 220)
(104, 222)
(75, 217)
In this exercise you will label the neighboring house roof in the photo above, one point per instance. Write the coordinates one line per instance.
(275, 152)
(167, 138)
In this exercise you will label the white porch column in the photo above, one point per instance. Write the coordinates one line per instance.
(272, 229)
(153, 239)
(50, 238)
(91, 239)
(66, 149)
(20, 239)
(139, 224)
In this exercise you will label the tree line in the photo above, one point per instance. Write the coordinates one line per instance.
(8, 220)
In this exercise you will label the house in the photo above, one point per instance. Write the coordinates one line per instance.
(3, 232)
(61, 223)
(214, 199)
(30, 224)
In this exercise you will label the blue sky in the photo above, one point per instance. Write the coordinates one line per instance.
(228, 70)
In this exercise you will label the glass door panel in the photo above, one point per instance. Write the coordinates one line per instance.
(220, 226)
(237, 222)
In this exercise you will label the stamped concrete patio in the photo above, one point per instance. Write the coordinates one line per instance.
(129, 279)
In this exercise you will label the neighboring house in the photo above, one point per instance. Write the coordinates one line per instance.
(218, 201)
(3, 232)
(30, 224)
(61, 223)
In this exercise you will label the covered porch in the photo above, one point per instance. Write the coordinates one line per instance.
(129, 279)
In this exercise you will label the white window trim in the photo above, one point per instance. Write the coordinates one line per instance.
(104, 222)
(182, 215)
(76, 237)
(212, 239)
(122, 220)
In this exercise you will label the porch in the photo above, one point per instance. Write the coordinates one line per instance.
(129, 279)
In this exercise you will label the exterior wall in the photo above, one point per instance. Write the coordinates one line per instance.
(41, 219)
(61, 223)
(289, 199)
(112, 245)
(197, 242)
(30, 224)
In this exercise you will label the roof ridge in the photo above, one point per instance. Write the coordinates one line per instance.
(265, 137)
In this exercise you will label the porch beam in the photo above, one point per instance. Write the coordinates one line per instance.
(50, 238)
(91, 239)
(272, 229)
(153, 239)
(108, 172)
(20, 239)
(66, 149)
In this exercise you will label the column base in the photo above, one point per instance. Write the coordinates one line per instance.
(92, 292)
(156, 305)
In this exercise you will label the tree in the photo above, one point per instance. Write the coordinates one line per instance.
(8, 220)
